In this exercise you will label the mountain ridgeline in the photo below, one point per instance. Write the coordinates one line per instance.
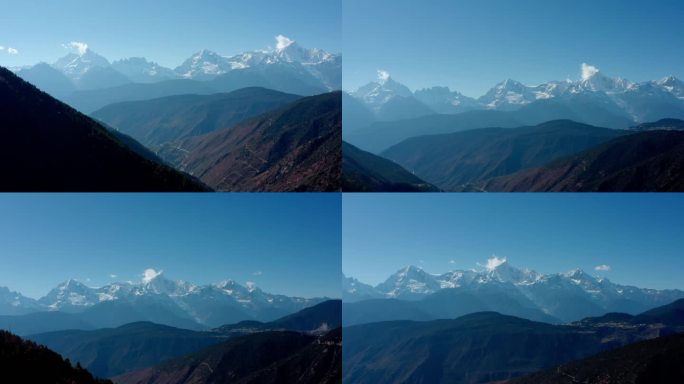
(559, 155)
(48, 146)
(109, 352)
(490, 347)
(88, 81)
(293, 148)
(73, 305)
(266, 357)
(453, 160)
(650, 161)
(515, 136)
(414, 294)
(168, 119)
(365, 172)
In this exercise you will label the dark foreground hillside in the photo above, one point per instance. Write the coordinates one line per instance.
(365, 172)
(46, 145)
(658, 361)
(294, 148)
(27, 362)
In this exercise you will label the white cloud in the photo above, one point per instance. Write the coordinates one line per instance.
(588, 71)
(113, 276)
(12, 51)
(494, 262)
(602, 267)
(257, 273)
(150, 274)
(77, 46)
(2, 48)
(452, 261)
(283, 42)
(383, 75)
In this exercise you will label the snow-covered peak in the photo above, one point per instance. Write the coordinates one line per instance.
(14, 299)
(593, 80)
(377, 93)
(76, 65)
(289, 51)
(141, 70)
(508, 94)
(408, 281)
(444, 100)
(353, 287)
(69, 294)
(204, 64)
(673, 85)
(499, 270)
(153, 282)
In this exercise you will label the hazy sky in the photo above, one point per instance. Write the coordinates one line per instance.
(637, 236)
(472, 45)
(167, 32)
(286, 243)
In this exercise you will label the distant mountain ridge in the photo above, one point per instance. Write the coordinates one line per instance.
(176, 303)
(565, 296)
(639, 102)
(81, 77)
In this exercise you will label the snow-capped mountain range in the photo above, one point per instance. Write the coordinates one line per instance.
(556, 294)
(645, 101)
(209, 305)
(88, 70)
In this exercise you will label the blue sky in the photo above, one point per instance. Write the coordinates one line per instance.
(285, 243)
(167, 32)
(639, 236)
(472, 45)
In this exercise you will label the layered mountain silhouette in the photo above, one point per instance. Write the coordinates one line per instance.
(414, 294)
(48, 146)
(560, 155)
(88, 81)
(365, 172)
(651, 161)
(158, 121)
(596, 100)
(266, 357)
(488, 347)
(293, 148)
(113, 351)
(34, 363)
(453, 160)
